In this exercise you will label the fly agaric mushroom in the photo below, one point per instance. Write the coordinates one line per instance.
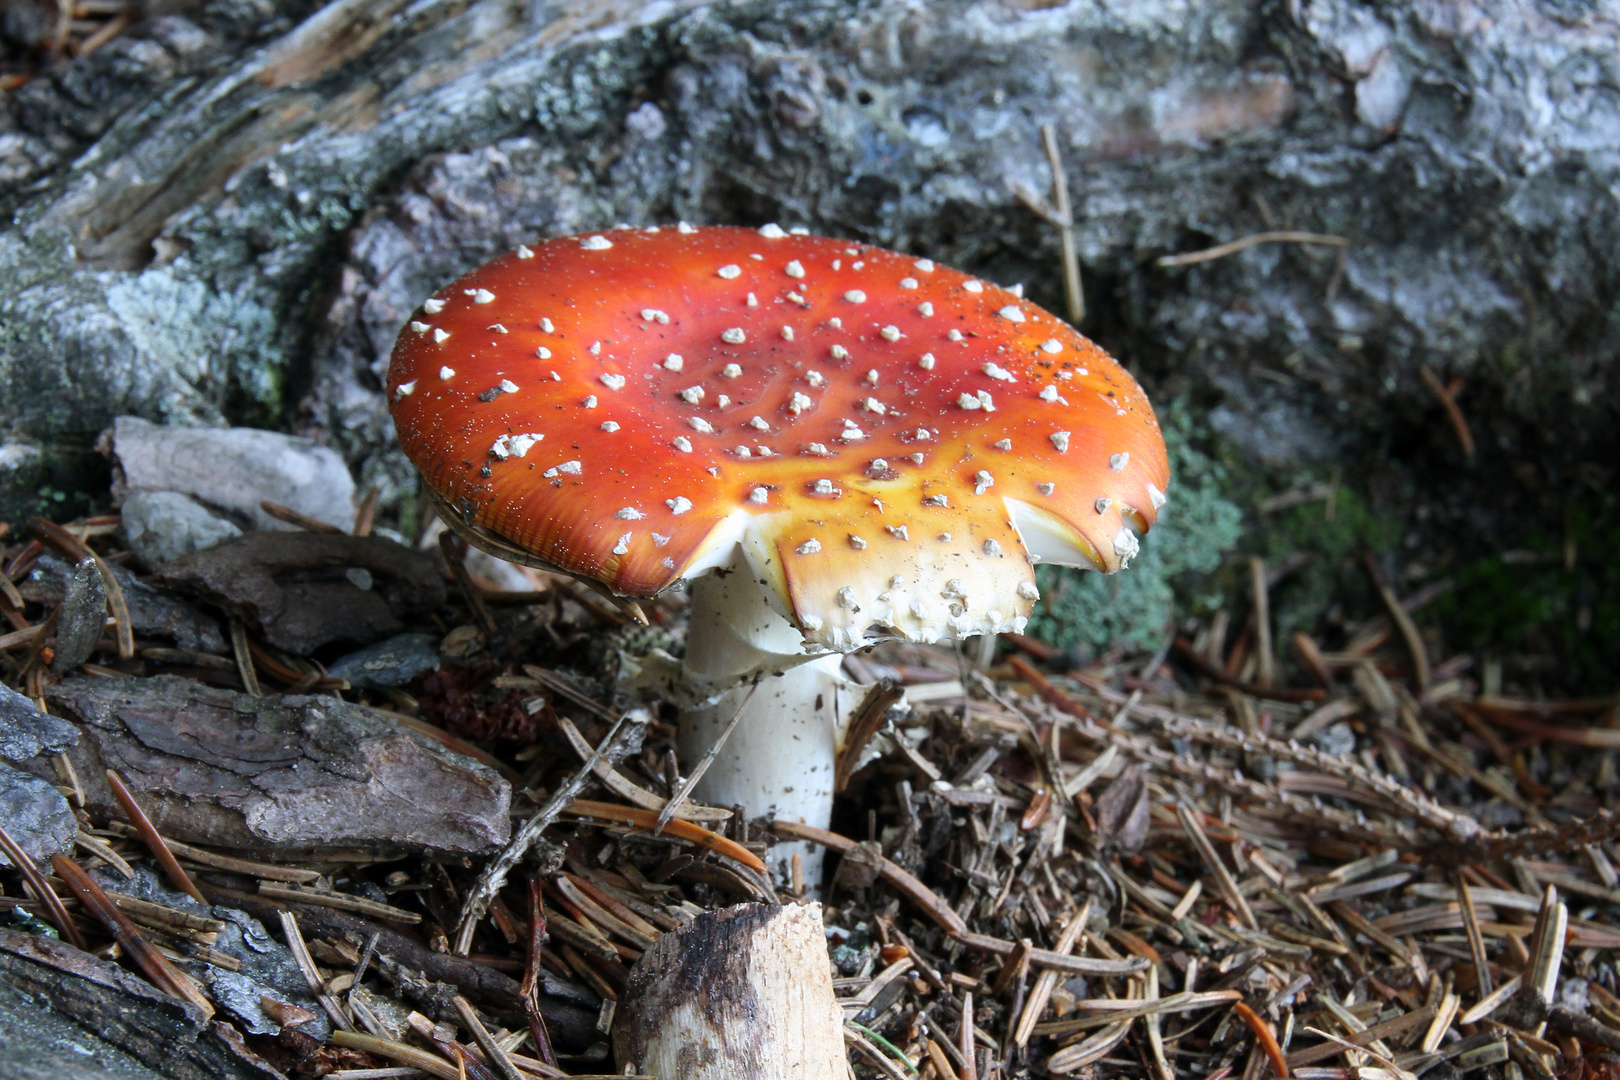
(832, 443)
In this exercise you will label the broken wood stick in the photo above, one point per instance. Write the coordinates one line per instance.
(746, 991)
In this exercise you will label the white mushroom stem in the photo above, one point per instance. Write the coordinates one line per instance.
(779, 760)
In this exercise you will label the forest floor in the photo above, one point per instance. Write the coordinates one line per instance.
(1161, 865)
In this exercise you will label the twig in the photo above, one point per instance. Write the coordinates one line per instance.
(626, 788)
(293, 517)
(1057, 213)
(909, 886)
(1232, 247)
(1267, 668)
(153, 840)
(1192, 656)
(1430, 813)
(681, 830)
(1107, 1011)
(450, 546)
(244, 658)
(1073, 294)
(1448, 401)
(678, 796)
(367, 514)
(341, 901)
(1601, 738)
(1046, 958)
(1212, 860)
(486, 1043)
(1263, 1035)
(312, 976)
(365, 957)
(624, 734)
(42, 889)
(1403, 622)
(867, 722)
(531, 975)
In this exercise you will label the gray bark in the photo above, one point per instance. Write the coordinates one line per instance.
(225, 217)
(63, 1013)
(281, 772)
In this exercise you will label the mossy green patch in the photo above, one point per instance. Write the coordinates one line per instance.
(1540, 599)
(1334, 531)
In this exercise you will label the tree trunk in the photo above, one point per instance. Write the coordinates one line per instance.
(226, 215)
(740, 994)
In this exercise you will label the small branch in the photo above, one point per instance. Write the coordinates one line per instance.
(1232, 247)
(1447, 393)
(1263, 1035)
(1064, 219)
(458, 569)
(624, 734)
(680, 794)
(153, 839)
(1267, 668)
(681, 830)
(1059, 214)
(867, 722)
(366, 516)
(1403, 622)
(906, 884)
(1201, 664)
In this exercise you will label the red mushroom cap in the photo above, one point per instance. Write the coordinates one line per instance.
(892, 443)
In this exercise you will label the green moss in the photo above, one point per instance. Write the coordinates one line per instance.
(1195, 529)
(1334, 532)
(1534, 600)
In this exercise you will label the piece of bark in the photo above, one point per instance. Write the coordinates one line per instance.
(36, 815)
(152, 611)
(81, 617)
(306, 589)
(112, 1007)
(268, 969)
(26, 732)
(282, 772)
(743, 992)
(1122, 812)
